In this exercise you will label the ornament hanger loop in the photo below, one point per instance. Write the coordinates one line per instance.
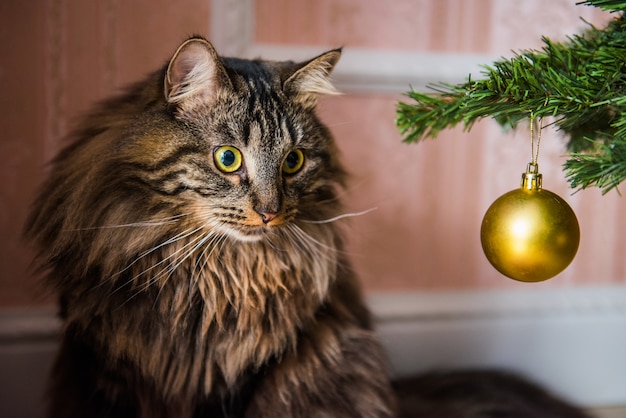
(532, 179)
(534, 152)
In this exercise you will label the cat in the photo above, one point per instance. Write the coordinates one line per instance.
(188, 229)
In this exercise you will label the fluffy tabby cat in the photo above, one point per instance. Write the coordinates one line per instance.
(188, 229)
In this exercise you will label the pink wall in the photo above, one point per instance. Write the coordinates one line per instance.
(60, 56)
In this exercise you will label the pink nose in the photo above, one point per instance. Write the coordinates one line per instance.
(267, 217)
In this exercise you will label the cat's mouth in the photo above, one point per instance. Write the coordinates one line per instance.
(251, 233)
(250, 228)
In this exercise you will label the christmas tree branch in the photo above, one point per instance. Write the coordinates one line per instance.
(608, 5)
(604, 170)
(581, 83)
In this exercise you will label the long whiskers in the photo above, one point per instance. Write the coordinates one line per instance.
(342, 216)
(144, 224)
(214, 243)
(310, 245)
(178, 260)
(173, 261)
(170, 259)
(140, 224)
(201, 242)
(185, 234)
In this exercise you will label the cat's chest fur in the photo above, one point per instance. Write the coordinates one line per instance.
(218, 315)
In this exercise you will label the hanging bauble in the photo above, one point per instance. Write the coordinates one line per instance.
(530, 234)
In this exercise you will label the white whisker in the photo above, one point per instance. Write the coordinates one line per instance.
(141, 224)
(345, 215)
(177, 257)
(169, 270)
(185, 234)
(174, 260)
(213, 244)
(309, 244)
(182, 235)
(314, 246)
(152, 280)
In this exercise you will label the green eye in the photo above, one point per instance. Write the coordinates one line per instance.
(227, 158)
(293, 162)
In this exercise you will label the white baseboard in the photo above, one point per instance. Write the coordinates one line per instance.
(570, 340)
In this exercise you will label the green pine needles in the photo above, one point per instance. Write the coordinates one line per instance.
(580, 84)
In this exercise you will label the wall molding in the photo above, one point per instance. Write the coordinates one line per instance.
(529, 302)
(359, 70)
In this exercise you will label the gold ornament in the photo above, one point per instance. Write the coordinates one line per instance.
(530, 234)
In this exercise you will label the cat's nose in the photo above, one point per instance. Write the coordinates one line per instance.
(267, 216)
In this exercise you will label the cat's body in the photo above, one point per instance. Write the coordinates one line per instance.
(188, 229)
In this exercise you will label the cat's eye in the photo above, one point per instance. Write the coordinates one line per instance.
(227, 159)
(293, 162)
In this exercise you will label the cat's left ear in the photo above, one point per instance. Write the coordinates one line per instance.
(313, 78)
(194, 75)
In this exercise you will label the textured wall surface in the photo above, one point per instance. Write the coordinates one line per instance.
(57, 57)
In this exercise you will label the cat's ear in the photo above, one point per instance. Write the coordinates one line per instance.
(194, 75)
(312, 78)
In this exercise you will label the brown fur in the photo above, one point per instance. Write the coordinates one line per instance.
(478, 394)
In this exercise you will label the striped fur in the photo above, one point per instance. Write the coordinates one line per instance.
(178, 300)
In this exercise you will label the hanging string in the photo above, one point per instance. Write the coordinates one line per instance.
(534, 152)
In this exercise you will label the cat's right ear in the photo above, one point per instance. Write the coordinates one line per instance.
(313, 78)
(194, 75)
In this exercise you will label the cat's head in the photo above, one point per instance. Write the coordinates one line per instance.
(264, 158)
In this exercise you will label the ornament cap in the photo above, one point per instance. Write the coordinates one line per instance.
(531, 179)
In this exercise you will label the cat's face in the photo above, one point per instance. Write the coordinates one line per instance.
(261, 172)
(252, 158)
(266, 168)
